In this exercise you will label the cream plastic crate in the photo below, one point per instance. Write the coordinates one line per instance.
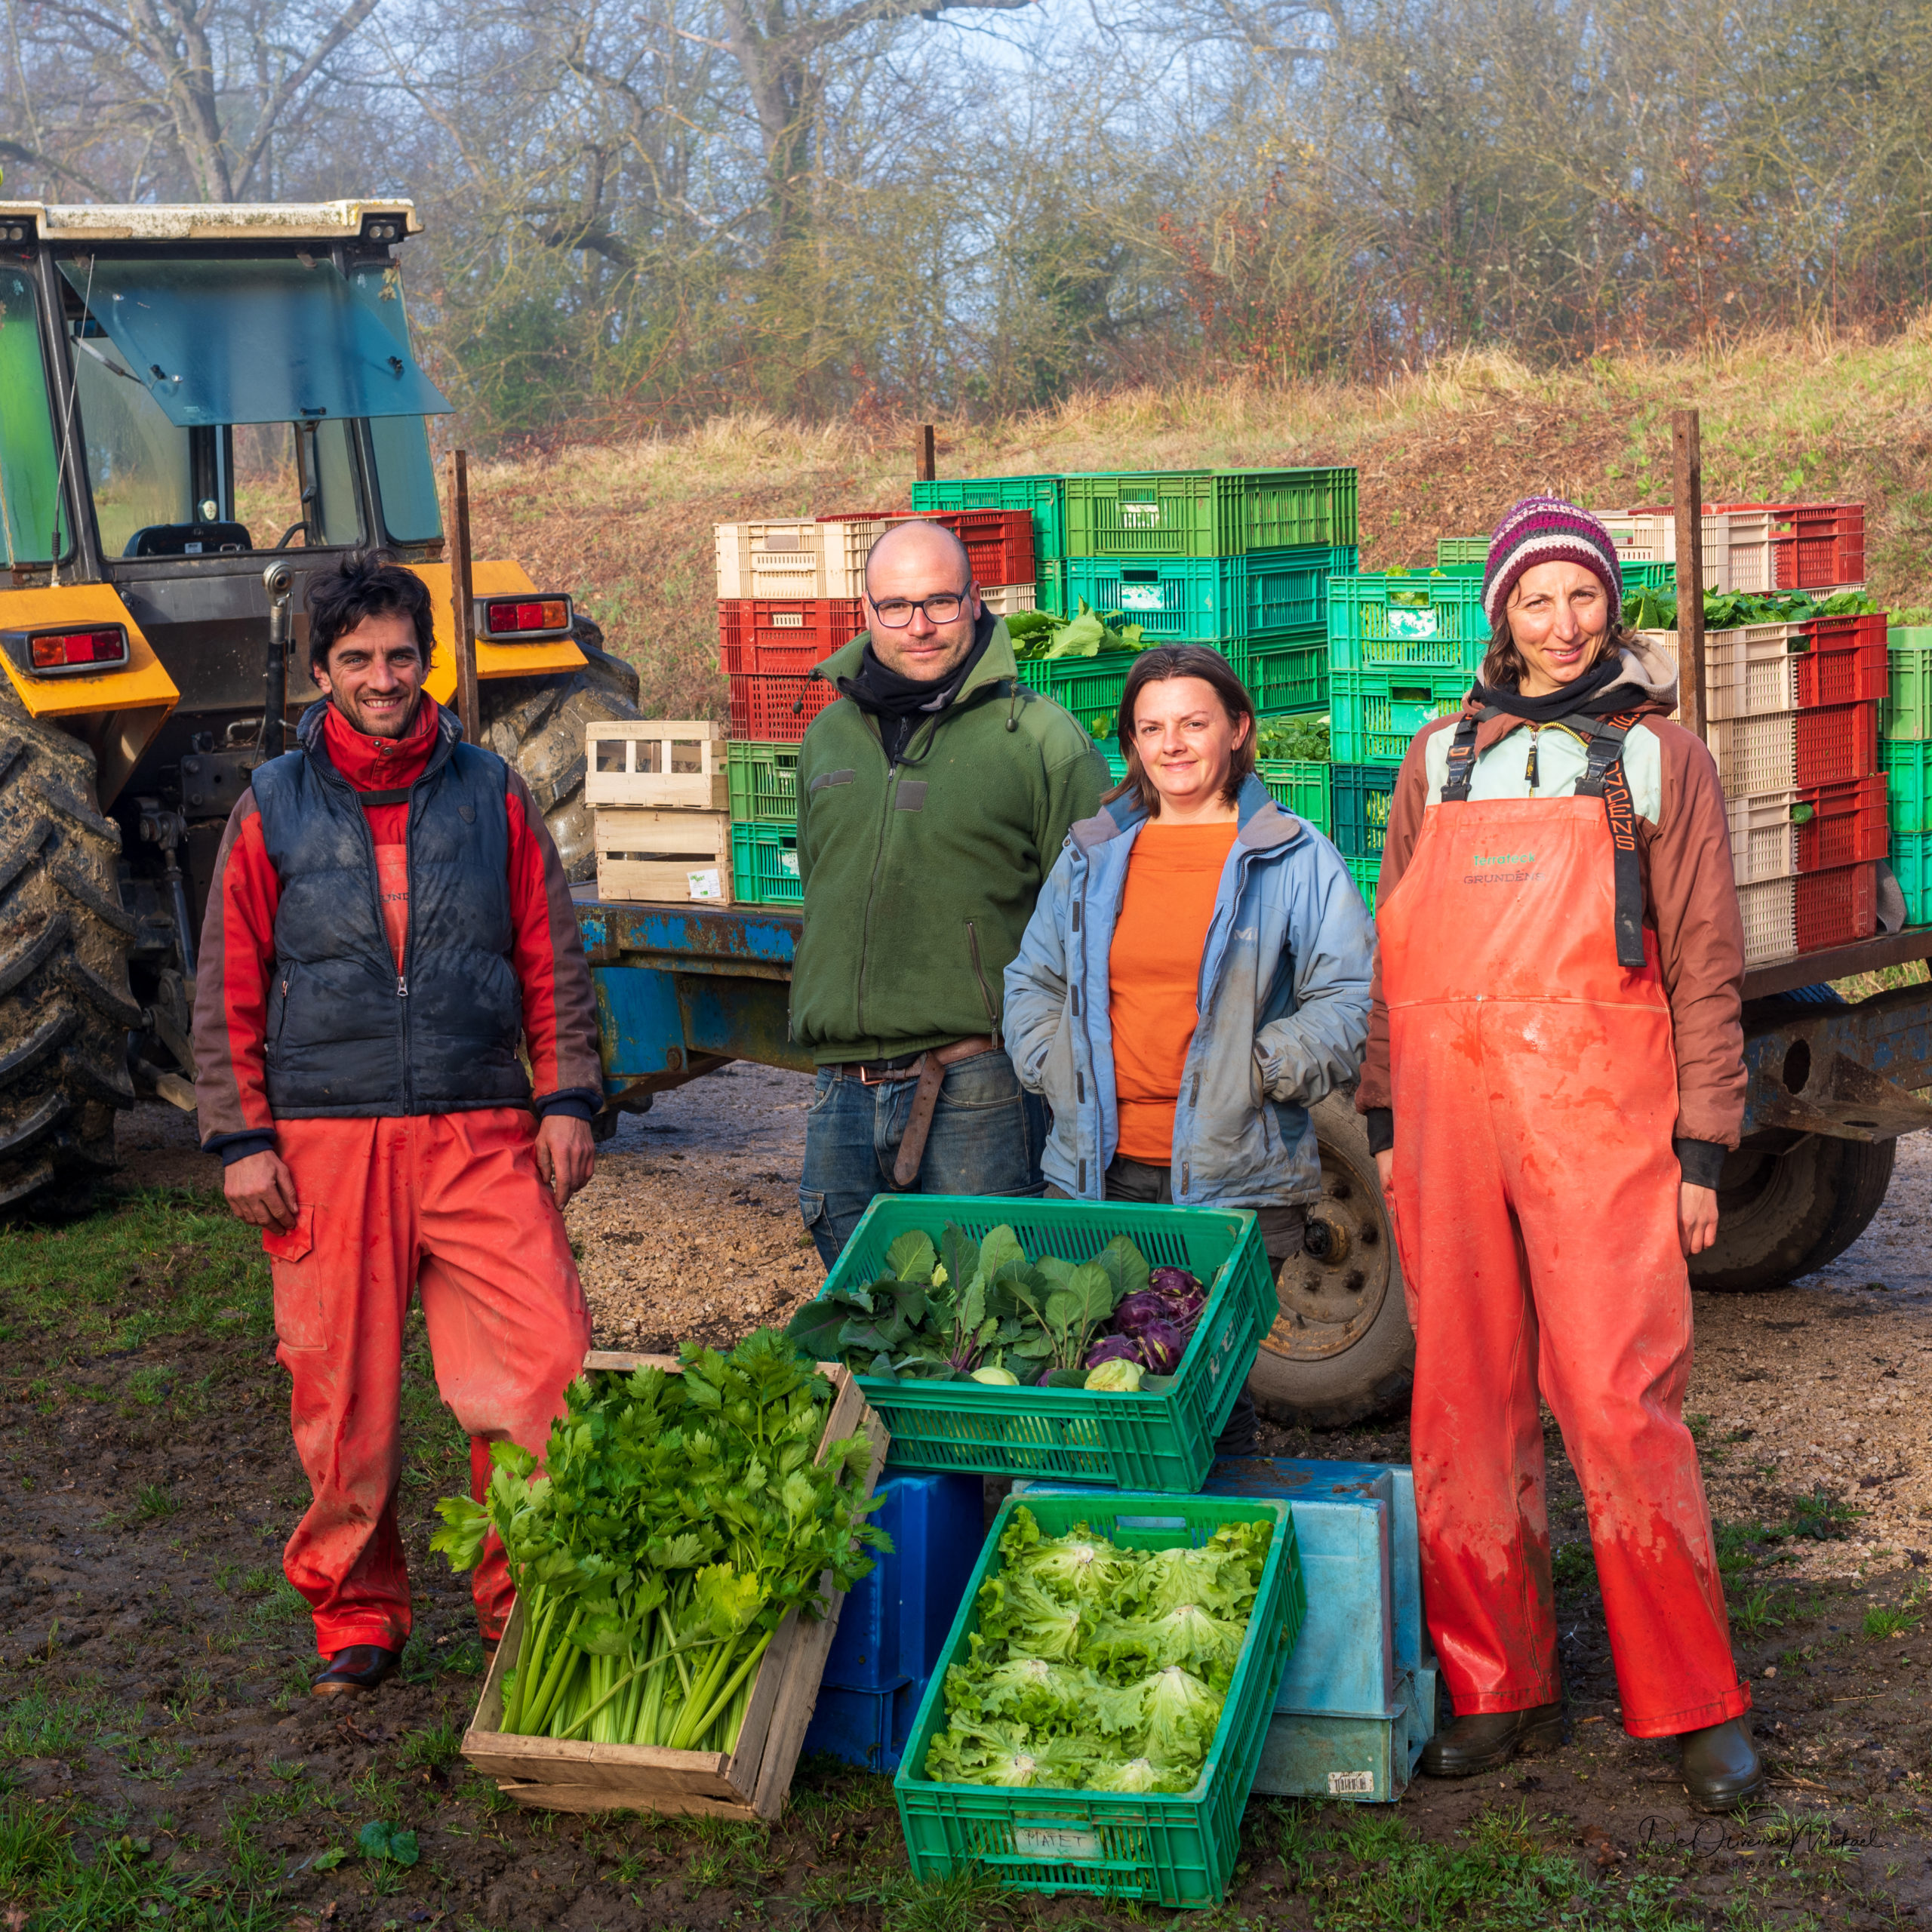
(1004, 599)
(643, 852)
(1748, 673)
(795, 559)
(1771, 920)
(1737, 544)
(659, 761)
(1764, 841)
(1755, 755)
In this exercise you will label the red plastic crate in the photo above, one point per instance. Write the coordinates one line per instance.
(1846, 826)
(1837, 907)
(1846, 663)
(999, 543)
(1835, 742)
(1814, 544)
(768, 637)
(761, 707)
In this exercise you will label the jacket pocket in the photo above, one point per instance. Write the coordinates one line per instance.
(980, 977)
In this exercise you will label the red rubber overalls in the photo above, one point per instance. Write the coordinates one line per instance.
(1536, 1193)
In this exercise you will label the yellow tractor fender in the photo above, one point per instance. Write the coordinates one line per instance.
(116, 714)
(489, 579)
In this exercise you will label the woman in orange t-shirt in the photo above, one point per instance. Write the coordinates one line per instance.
(1195, 976)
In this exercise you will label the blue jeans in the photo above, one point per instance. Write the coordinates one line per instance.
(986, 1138)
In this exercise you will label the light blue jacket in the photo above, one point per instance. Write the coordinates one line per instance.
(1283, 1004)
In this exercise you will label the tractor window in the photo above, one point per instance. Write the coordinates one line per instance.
(296, 481)
(406, 478)
(30, 479)
(139, 465)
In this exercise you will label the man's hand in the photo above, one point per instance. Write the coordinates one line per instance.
(1696, 1217)
(1385, 1172)
(565, 1154)
(260, 1191)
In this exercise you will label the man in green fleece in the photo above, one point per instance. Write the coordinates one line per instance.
(933, 798)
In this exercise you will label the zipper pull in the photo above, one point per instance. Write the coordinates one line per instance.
(402, 987)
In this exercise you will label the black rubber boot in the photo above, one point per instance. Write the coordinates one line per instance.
(1721, 1767)
(361, 1667)
(1486, 1741)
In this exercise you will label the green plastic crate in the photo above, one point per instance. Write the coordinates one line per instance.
(1231, 598)
(1050, 587)
(1907, 711)
(1174, 1850)
(1365, 873)
(1300, 785)
(1207, 513)
(1162, 1441)
(1374, 715)
(1912, 865)
(1288, 673)
(763, 779)
(765, 865)
(1045, 495)
(1362, 795)
(1908, 768)
(1090, 688)
(1391, 620)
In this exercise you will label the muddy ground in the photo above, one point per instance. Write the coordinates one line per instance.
(162, 1763)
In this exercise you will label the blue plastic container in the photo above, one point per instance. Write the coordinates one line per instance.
(894, 1623)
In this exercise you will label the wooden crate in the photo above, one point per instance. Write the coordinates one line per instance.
(751, 1783)
(644, 852)
(674, 762)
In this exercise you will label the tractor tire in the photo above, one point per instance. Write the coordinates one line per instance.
(65, 1010)
(537, 724)
(1342, 1350)
(1785, 1210)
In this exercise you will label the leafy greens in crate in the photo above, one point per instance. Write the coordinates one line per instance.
(982, 1311)
(679, 1519)
(1097, 1667)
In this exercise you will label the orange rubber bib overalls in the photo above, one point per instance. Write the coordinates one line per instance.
(1536, 1194)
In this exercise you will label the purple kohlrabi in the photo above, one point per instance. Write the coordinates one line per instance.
(1162, 1347)
(1137, 1310)
(1173, 1283)
(1115, 1348)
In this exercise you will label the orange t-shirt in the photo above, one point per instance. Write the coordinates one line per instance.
(1154, 972)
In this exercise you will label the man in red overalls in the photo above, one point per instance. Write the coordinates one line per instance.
(388, 924)
(1554, 1073)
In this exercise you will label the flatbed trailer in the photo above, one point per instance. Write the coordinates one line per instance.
(685, 989)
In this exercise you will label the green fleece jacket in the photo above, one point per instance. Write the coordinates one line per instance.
(920, 877)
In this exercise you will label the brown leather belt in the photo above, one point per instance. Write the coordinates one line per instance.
(929, 1070)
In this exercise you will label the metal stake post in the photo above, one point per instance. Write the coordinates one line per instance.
(1687, 490)
(462, 608)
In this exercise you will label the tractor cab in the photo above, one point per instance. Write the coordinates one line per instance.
(201, 407)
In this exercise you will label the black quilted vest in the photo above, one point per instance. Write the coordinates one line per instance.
(346, 1034)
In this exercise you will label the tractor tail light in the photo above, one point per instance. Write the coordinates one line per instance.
(52, 653)
(524, 620)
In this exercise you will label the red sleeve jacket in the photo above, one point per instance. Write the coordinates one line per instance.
(238, 957)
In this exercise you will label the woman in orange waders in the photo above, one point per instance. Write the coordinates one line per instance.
(1554, 1070)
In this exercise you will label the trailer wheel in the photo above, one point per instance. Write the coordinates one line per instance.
(1342, 1350)
(1786, 1208)
(65, 1006)
(537, 724)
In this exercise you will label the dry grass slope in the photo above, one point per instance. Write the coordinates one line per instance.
(628, 525)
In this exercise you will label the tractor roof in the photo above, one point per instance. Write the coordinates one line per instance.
(210, 221)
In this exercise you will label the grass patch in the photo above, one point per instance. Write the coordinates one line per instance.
(1820, 1517)
(1881, 1620)
(1571, 1564)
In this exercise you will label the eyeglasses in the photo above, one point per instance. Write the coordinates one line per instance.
(896, 613)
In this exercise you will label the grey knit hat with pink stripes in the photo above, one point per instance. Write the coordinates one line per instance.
(1545, 529)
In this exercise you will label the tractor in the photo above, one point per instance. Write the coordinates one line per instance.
(202, 407)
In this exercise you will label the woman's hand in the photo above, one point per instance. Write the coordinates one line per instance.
(1696, 1217)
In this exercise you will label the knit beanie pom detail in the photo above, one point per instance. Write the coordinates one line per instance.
(1545, 529)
